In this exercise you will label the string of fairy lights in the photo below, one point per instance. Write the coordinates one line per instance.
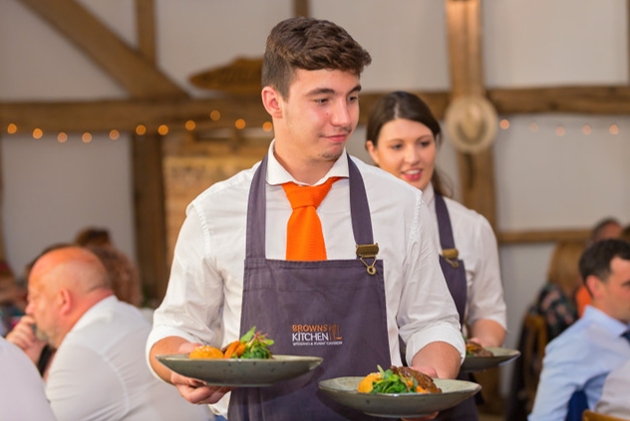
(561, 129)
(240, 124)
(140, 129)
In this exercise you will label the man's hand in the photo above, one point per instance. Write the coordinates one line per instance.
(196, 391)
(24, 337)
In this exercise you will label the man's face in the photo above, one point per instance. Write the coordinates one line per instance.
(613, 296)
(42, 307)
(319, 115)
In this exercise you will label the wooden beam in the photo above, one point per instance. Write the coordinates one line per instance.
(148, 182)
(137, 75)
(125, 115)
(598, 100)
(145, 20)
(150, 216)
(537, 236)
(301, 8)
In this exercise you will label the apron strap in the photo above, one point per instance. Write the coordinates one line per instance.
(452, 267)
(257, 210)
(444, 223)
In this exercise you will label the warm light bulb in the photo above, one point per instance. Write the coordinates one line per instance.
(37, 134)
(504, 124)
(239, 124)
(560, 131)
(586, 129)
(11, 128)
(114, 134)
(190, 125)
(215, 115)
(86, 137)
(62, 137)
(141, 129)
(614, 129)
(267, 126)
(163, 129)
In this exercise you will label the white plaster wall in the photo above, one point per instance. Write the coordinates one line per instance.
(543, 181)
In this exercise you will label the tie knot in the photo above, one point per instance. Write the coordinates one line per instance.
(303, 196)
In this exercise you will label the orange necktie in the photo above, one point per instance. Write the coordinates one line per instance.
(305, 240)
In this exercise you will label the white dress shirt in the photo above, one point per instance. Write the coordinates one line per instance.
(99, 371)
(615, 399)
(22, 394)
(477, 247)
(579, 359)
(204, 295)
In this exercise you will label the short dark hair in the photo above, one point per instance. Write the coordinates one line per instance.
(309, 44)
(401, 104)
(596, 259)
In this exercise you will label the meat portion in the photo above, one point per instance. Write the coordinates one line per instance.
(476, 350)
(425, 383)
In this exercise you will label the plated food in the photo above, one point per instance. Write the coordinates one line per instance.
(398, 405)
(247, 362)
(473, 349)
(397, 380)
(494, 357)
(252, 345)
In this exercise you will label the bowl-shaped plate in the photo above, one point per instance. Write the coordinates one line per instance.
(398, 405)
(500, 356)
(240, 372)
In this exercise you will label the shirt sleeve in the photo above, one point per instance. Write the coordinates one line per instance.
(486, 292)
(427, 312)
(615, 400)
(22, 394)
(76, 395)
(192, 303)
(556, 385)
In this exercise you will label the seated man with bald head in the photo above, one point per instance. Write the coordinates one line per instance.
(99, 371)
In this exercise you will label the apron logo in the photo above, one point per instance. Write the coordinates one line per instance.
(316, 335)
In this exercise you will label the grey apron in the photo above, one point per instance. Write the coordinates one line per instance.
(331, 309)
(455, 275)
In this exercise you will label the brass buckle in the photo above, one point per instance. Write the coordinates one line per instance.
(368, 251)
(451, 256)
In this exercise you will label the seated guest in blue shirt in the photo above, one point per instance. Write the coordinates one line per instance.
(582, 356)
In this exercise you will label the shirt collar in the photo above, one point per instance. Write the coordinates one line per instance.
(613, 325)
(428, 194)
(277, 174)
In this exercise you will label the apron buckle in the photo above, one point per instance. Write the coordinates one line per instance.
(451, 255)
(368, 251)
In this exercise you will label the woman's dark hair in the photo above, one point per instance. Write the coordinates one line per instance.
(400, 104)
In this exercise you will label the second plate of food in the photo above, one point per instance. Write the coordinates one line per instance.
(241, 372)
(398, 405)
(479, 363)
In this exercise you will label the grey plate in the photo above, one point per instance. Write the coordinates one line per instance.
(240, 372)
(501, 356)
(344, 391)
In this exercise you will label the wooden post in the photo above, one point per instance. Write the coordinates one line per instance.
(148, 182)
(476, 171)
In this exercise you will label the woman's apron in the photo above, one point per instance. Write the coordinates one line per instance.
(455, 275)
(332, 309)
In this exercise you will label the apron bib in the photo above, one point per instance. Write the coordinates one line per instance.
(455, 275)
(331, 309)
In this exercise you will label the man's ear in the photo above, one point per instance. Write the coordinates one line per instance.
(65, 300)
(593, 285)
(272, 101)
